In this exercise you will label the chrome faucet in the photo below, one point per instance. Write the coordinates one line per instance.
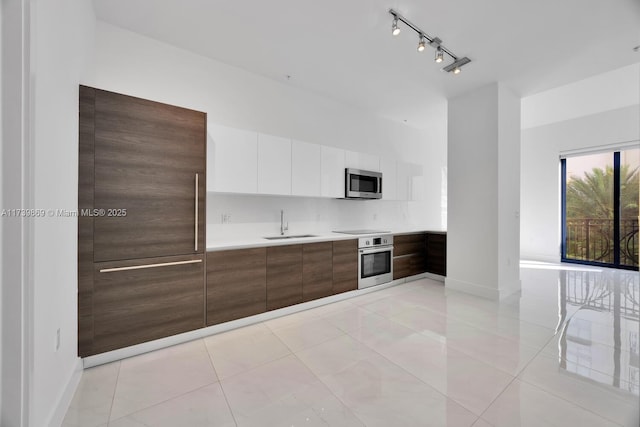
(283, 227)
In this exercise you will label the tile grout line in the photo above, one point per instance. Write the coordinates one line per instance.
(113, 396)
(170, 398)
(516, 376)
(224, 394)
(329, 389)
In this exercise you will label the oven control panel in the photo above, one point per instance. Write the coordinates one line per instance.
(374, 241)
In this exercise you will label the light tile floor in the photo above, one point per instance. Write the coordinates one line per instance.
(564, 352)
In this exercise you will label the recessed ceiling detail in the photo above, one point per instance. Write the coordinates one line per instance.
(455, 67)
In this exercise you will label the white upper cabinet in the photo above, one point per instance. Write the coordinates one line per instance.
(364, 161)
(389, 169)
(232, 156)
(410, 181)
(274, 164)
(332, 165)
(305, 169)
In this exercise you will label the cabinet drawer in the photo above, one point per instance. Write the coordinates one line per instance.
(142, 300)
(409, 244)
(408, 265)
(236, 284)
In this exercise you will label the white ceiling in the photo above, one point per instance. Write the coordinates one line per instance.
(343, 49)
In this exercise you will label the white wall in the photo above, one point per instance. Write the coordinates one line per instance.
(483, 196)
(61, 42)
(1, 204)
(596, 112)
(129, 63)
(15, 234)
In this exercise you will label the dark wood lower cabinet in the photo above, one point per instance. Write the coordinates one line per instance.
(437, 253)
(317, 273)
(133, 305)
(345, 265)
(419, 253)
(236, 284)
(284, 276)
(409, 252)
(408, 265)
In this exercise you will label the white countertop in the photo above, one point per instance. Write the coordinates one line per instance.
(214, 244)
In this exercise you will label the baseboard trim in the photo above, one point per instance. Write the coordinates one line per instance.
(471, 288)
(482, 291)
(57, 417)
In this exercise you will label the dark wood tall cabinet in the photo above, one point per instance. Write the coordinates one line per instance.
(141, 228)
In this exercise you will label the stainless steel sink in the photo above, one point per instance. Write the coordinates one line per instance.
(299, 236)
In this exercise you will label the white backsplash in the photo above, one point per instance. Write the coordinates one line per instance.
(255, 215)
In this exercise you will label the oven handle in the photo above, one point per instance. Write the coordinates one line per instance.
(376, 249)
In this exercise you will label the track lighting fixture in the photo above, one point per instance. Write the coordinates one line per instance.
(454, 67)
(395, 30)
(421, 44)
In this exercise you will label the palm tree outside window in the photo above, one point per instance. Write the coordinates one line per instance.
(600, 194)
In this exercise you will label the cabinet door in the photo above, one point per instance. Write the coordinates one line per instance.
(148, 157)
(410, 183)
(284, 276)
(305, 169)
(165, 297)
(345, 265)
(274, 165)
(317, 273)
(364, 161)
(332, 172)
(389, 169)
(437, 253)
(236, 284)
(405, 244)
(232, 160)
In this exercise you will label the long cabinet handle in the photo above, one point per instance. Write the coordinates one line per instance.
(196, 226)
(139, 267)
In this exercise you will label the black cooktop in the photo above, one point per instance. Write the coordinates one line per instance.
(362, 231)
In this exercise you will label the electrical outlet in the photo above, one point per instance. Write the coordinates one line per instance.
(375, 216)
(226, 218)
(58, 339)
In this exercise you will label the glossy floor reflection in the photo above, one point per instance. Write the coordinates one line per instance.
(564, 352)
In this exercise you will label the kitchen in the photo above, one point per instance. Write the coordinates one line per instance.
(237, 99)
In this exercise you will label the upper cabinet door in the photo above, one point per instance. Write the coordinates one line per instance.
(364, 161)
(232, 160)
(332, 172)
(410, 181)
(148, 159)
(305, 169)
(389, 169)
(274, 165)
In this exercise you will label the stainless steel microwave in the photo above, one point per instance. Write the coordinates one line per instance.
(361, 184)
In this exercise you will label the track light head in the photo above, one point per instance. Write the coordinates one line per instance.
(439, 55)
(455, 66)
(421, 44)
(395, 30)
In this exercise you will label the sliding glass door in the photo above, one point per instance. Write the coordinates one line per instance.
(600, 195)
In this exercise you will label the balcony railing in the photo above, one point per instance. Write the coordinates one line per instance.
(591, 239)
